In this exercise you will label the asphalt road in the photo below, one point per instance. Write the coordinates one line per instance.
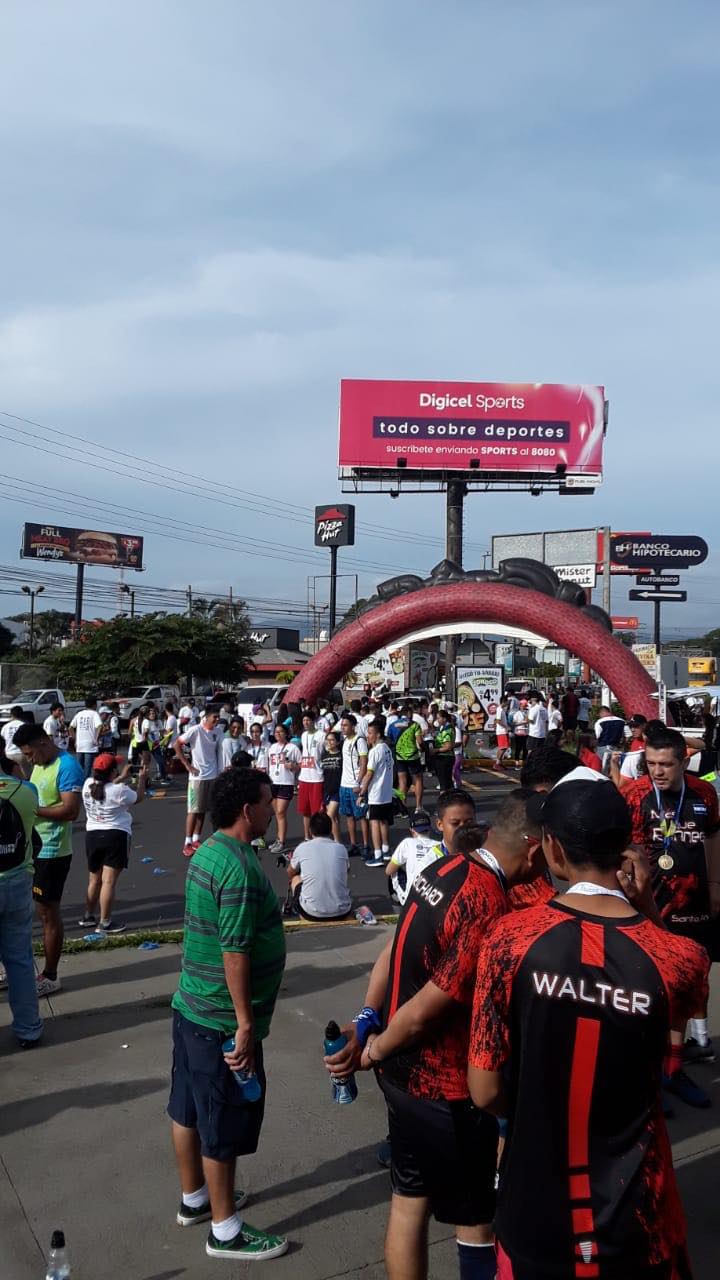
(147, 899)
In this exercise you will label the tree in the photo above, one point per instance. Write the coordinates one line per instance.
(50, 627)
(285, 677)
(7, 639)
(158, 647)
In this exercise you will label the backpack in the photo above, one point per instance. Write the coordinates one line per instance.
(407, 747)
(13, 840)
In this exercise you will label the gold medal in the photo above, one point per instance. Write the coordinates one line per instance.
(665, 862)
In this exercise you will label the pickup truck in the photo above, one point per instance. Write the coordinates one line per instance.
(39, 702)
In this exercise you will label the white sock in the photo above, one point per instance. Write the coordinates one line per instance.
(228, 1229)
(196, 1199)
(188, 839)
(377, 854)
(698, 1028)
(386, 848)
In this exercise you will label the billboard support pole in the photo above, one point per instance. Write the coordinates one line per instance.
(454, 551)
(657, 625)
(79, 596)
(333, 590)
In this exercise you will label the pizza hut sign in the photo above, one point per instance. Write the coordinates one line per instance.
(335, 526)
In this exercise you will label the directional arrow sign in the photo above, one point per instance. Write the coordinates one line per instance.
(679, 597)
(660, 580)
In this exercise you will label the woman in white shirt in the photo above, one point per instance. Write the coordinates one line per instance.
(108, 802)
(153, 735)
(283, 765)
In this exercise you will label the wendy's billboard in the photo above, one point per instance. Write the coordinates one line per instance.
(545, 428)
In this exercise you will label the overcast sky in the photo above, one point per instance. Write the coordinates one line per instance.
(212, 213)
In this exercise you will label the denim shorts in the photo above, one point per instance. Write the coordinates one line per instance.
(205, 1095)
(349, 807)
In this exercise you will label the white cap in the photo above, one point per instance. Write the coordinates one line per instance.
(582, 774)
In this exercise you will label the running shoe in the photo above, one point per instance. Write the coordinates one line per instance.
(387, 856)
(354, 851)
(86, 922)
(48, 986)
(259, 844)
(684, 1087)
(374, 862)
(189, 849)
(277, 846)
(29, 1044)
(249, 1245)
(109, 926)
(3, 979)
(187, 1217)
(693, 1051)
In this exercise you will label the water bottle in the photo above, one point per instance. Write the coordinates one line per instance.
(58, 1267)
(250, 1086)
(344, 1088)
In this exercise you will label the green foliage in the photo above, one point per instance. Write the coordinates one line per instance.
(285, 677)
(7, 640)
(166, 648)
(709, 643)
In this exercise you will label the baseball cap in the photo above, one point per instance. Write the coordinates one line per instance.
(105, 761)
(420, 820)
(580, 813)
(105, 710)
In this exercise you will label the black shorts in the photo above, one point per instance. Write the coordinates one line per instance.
(205, 1095)
(49, 878)
(381, 813)
(331, 797)
(282, 792)
(414, 768)
(446, 1151)
(107, 849)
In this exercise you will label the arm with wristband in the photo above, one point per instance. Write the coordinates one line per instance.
(365, 1022)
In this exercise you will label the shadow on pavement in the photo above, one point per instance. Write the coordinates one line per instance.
(66, 1027)
(155, 966)
(304, 979)
(29, 1112)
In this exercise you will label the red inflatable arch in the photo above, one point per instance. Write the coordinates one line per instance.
(482, 602)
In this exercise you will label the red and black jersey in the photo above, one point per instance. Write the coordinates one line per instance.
(533, 893)
(680, 887)
(450, 907)
(576, 1009)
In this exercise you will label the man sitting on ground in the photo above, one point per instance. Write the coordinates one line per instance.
(318, 874)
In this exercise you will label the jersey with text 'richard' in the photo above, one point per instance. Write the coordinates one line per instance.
(576, 1010)
(450, 907)
(677, 859)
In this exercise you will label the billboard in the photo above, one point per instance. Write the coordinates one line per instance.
(335, 525)
(384, 667)
(81, 546)
(503, 427)
(657, 550)
(646, 654)
(556, 548)
(477, 689)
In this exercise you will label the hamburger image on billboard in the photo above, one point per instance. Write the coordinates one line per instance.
(82, 546)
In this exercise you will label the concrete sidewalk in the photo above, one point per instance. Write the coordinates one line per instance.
(84, 1140)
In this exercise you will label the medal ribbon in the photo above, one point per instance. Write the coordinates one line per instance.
(668, 829)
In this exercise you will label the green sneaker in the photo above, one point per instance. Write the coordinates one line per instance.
(189, 1217)
(249, 1245)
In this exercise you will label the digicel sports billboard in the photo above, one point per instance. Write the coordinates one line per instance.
(480, 426)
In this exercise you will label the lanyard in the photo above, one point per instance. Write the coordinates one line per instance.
(589, 890)
(491, 861)
(668, 829)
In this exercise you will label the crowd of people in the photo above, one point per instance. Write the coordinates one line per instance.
(528, 1043)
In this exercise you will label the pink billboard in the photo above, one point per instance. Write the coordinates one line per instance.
(486, 426)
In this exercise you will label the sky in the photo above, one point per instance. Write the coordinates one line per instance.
(212, 213)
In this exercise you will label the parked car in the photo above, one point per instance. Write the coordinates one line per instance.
(133, 698)
(38, 702)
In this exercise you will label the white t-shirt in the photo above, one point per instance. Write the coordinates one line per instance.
(8, 732)
(170, 725)
(418, 719)
(380, 763)
(414, 853)
(86, 725)
(229, 748)
(555, 719)
(259, 755)
(538, 720)
(326, 721)
(188, 715)
(152, 731)
(520, 722)
(393, 716)
(112, 813)
(204, 747)
(323, 865)
(630, 767)
(57, 730)
(311, 757)
(352, 750)
(280, 756)
(584, 705)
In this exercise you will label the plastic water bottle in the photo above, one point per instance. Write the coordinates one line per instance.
(344, 1088)
(250, 1086)
(58, 1267)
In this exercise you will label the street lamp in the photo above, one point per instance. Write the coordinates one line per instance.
(32, 594)
(129, 592)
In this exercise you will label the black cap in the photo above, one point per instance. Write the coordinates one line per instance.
(420, 820)
(58, 1240)
(581, 811)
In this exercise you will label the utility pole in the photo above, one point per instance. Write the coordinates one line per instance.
(189, 600)
(333, 590)
(607, 597)
(28, 591)
(454, 551)
(79, 598)
(658, 606)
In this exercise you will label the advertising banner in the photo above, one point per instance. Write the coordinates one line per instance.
(477, 688)
(486, 426)
(335, 525)
(659, 551)
(385, 667)
(423, 669)
(583, 575)
(504, 654)
(81, 546)
(647, 655)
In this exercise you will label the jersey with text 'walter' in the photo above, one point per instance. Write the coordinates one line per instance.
(576, 1010)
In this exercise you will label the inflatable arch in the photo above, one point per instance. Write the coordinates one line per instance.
(486, 603)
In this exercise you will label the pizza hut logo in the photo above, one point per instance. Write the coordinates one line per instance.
(329, 524)
(335, 526)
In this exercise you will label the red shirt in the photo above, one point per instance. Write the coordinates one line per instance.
(576, 1010)
(590, 759)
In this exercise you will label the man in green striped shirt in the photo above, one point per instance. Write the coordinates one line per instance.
(233, 962)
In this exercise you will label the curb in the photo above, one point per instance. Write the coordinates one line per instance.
(75, 946)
